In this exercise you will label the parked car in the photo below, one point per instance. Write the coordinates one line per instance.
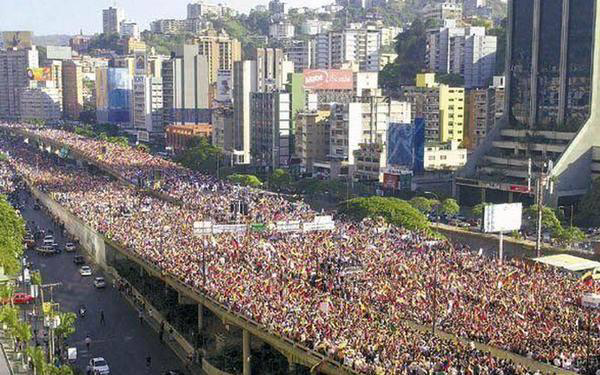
(98, 365)
(85, 271)
(19, 299)
(36, 207)
(78, 260)
(99, 282)
(70, 247)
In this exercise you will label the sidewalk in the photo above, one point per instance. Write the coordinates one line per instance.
(10, 364)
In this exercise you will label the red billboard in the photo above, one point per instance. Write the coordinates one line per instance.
(328, 79)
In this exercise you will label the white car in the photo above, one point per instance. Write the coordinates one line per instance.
(99, 282)
(85, 271)
(99, 366)
(69, 247)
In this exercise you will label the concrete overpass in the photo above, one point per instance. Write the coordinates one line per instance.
(97, 245)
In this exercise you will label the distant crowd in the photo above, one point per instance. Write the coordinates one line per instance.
(359, 294)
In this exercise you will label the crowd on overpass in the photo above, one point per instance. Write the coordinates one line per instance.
(215, 198)
(349, 292)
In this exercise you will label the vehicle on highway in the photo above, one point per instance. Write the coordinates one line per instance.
(45, 250)
(36, 207)
(78, 260)
(70, 247)
(19, 299)
(49, 240)
(85, 271)
(29, 241)
(174, 372)
(99, 366)
(99, 282)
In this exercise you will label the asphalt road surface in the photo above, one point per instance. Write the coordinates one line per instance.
(121, 340)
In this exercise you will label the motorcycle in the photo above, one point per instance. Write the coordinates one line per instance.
(82, 311)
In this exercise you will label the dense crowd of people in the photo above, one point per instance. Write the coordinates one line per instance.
(349, 293)
(215, 198)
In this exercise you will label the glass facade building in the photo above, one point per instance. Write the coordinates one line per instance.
(550, 64)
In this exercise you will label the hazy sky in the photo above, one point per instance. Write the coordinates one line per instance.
(45, 17)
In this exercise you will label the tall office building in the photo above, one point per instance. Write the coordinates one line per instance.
(300, 52)
(147, 100)
(72, 75)
(550, 116)
(185, 88)
(111, 20)
(270, 129)
(221, 52)
(14, 64)
(244, 83)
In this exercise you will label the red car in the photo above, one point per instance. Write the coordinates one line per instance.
(20, 299)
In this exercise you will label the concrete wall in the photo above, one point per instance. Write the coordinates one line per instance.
(88, 238)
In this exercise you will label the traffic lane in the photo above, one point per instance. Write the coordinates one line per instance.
(122, 341)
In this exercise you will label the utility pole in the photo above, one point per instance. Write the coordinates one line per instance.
(51, 321)
(540, 202)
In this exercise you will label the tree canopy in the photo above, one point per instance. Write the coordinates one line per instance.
(12, 232)
(588, 212)
(201, 156)
(395, 211)
(245, 179)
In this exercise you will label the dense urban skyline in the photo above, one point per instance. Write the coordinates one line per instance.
(71, 16)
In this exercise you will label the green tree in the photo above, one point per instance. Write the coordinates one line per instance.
(478, 210)
(393, 210)
(280, 179)
(38, 357)
(245, 179)
(571, 235)
(450, 207)
(201, 156)
(549, 220)
(422, 204)
(12, 232)
(454, 80)
(588, 211)
(66, 327)
(411, 49)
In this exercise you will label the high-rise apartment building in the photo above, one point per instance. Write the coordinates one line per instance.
(148, 100)
(72, 74)
(485, 107)
(14, 65)
(129, 29)
(312, 137)
(466, 51)
(244, 83)
(201, 9)
(442, 107)
(361, 46)
(111, 20)
(300, 52)
(551, 120)
(221, 52)
(450, 9)
(270, 129)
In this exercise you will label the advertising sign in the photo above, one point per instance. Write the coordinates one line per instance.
(328, 79)
(288, 226)
(40, 74)
(17, 39)
(202, 228)
(591, 300)
(502, 217)
(58, 53)
(224, 85)
(229, 228)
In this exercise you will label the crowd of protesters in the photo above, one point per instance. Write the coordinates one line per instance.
(347, 293)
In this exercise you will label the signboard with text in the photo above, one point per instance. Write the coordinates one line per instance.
(499, 218)
(328, 79)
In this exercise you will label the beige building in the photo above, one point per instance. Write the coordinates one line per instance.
(312, 137)
(221, 52)
(444, 156)
(72, 75)
(485, 107)
(14, 64)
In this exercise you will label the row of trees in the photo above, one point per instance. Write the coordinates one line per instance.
(12, 233)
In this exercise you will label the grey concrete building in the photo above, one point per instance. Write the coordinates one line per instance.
(14, 64)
